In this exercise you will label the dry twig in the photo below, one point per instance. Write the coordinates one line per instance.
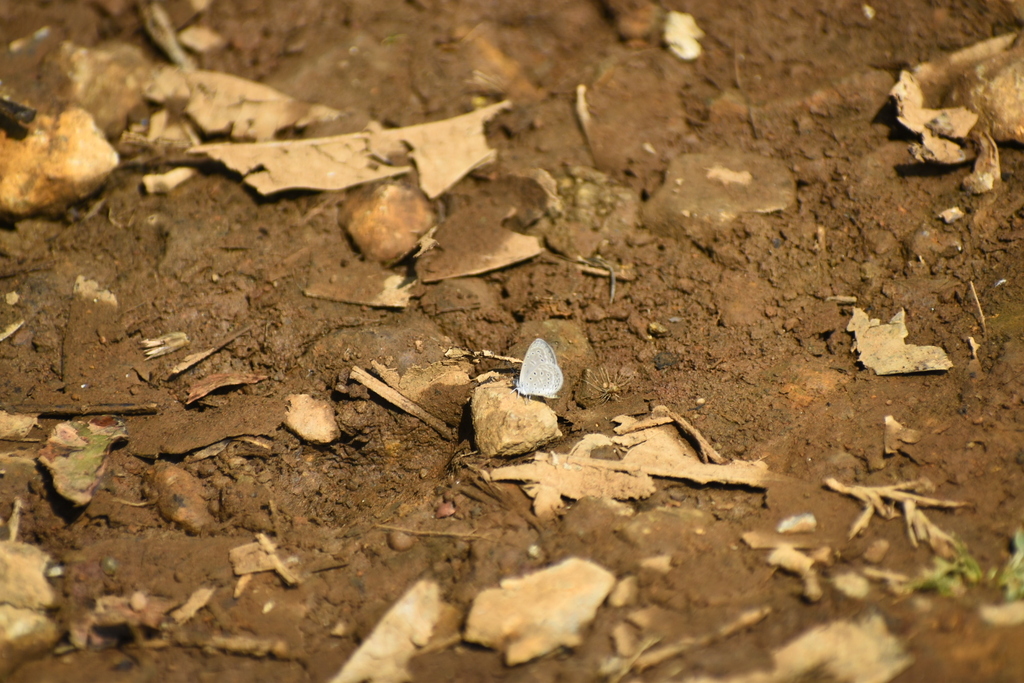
(882, 500)
(399, 400)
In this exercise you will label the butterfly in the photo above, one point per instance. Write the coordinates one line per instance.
(540, 374)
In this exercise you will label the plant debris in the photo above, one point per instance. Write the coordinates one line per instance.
(896, 434)
(219, 380)
(221, 103)
(406, 628)
(531, 616)
(882, 348)
(444, 152)
(919, 527)
(861, 651)
(76, 455)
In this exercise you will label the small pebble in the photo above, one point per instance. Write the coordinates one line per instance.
(852, 585)
(400, 541)
(656, 329)
(138, 601)
(109, 565)
(876, 551)
(625, 592)
(798, 524)
(445, 509)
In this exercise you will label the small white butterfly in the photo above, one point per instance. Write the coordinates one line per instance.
(540, 374)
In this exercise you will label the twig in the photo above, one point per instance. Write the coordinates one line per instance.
(63, 409)
(14, 521)
(661, 654)
(158, 26)
(399, 400)
(583, 113)
(919, 527)
(661, 415)
(439, 534)
(457, 353)
(194, 358)
(600, 262)
(981, 313)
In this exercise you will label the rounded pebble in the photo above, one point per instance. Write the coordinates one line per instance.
(109, 565)
(399, 541)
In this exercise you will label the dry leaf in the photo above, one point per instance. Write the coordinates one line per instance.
(577, 478)
(935, 126)
(407, 627)
(882, 348)
(895, 434)
(76, 455)
(218, 380)
(444, 152)
(221, 103)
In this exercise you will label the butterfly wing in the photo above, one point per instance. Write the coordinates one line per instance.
(540, 374)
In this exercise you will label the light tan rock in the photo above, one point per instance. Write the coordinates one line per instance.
(24, 635)
(311, 419)
(179, 497)
(386, 221)
(107, 81)
(63, 159)
(23, 576)
(505, 423)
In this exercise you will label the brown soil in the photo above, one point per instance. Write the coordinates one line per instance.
(744, 326)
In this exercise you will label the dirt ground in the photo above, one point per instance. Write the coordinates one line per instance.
(734, 330)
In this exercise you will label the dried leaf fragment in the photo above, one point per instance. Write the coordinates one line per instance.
(882, 348)
(218, 380)
(404, 630)
(444, 152)
(76, 455)
(937, 127)
(221, 103)
(895, 434)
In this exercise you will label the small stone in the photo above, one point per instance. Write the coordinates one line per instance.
(386, 221)
(179, 498)
(505, 423)
(445, 509)
(62, 160)
(625, 592)
(657, 330)
(107, 82)
(852, 585)
(798, 524)
(704, 193)
(662, 564)
(162, 183)
(138, 601)
(951, 215)
(399, 541)
(110, 565)
(876, 551)
(25, 634)
(311, 419)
